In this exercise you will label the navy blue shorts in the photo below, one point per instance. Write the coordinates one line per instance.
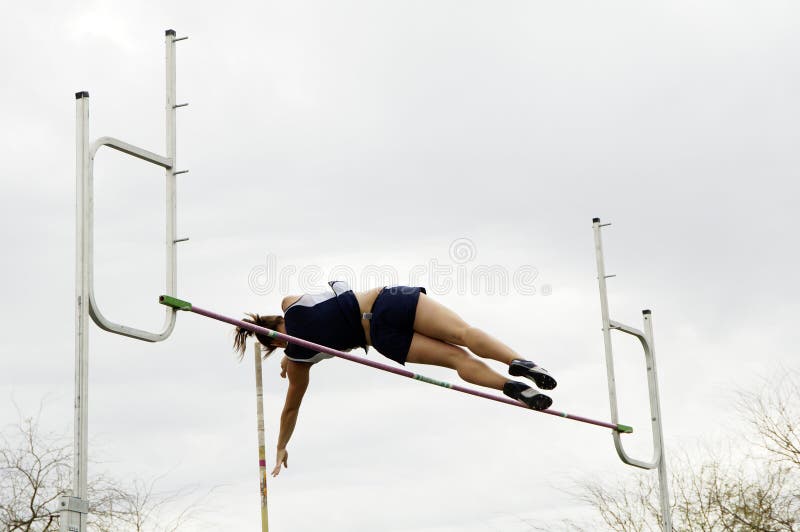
(392, 325)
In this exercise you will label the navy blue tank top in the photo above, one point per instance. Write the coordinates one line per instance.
(332, 320)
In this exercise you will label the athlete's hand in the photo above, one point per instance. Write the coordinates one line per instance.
(284, 362)
(282, 458)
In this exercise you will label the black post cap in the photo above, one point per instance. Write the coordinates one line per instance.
(81, 94)
(170, 32)
(595, 220)
(646, 312)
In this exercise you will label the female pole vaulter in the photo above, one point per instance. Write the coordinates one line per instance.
(402, 323)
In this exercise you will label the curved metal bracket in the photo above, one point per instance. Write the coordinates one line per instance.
(86, 153)
(646, 339)
(88, 229)
(130, 149)
(648, 355)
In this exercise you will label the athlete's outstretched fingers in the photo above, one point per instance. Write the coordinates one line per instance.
(282, 459)
(427, 350)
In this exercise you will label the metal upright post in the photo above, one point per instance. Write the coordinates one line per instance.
(658, 432)
(74, 508)
(170, 108)
(645, 337)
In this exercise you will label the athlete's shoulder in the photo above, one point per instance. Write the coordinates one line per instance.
(288, 301)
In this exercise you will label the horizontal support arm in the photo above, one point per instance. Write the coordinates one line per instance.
(130, 149)
(627, 329)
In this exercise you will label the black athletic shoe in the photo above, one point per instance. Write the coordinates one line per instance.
(526, 368)
(532, 397)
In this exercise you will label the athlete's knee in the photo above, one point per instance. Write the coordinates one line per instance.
(458, 358)
(469, 335)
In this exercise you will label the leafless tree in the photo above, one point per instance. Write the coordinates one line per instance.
(35, 471)
(730, 491)
(774, 416)
(139, 507)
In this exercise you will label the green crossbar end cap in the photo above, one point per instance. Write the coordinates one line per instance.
(174, 302)
(625, 429)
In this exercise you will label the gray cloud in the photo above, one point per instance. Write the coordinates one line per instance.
(373, 133)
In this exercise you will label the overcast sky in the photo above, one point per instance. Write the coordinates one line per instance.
(413, 137)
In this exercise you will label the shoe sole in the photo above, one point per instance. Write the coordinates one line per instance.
(541, 380)
(536, 401)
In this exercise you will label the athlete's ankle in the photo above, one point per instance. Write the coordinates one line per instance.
(539, 375)
(531, 397)
(514, 388)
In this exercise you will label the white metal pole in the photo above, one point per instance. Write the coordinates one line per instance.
(601, 279)
(171, 106)
(74, 508)
(82, 375)
(658, 430)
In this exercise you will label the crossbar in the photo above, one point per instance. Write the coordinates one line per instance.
(179, 304)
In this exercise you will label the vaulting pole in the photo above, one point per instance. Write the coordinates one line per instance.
(178, 304)
(262, 454)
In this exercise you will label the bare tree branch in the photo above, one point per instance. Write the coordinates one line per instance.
(722, 492)
(34, 473)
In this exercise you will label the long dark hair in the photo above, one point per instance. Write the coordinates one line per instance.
(270, 322)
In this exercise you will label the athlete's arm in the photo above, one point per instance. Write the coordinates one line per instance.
(298, 383)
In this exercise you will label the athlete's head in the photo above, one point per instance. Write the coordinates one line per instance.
(270, 344)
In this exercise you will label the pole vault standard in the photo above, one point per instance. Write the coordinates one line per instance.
(178, 304)
(74, 507)
(645, 337)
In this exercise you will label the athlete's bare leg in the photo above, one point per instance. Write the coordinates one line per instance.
(437, 321)
(427, 350)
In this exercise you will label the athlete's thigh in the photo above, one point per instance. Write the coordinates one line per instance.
(437, 321)
(427, 350)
